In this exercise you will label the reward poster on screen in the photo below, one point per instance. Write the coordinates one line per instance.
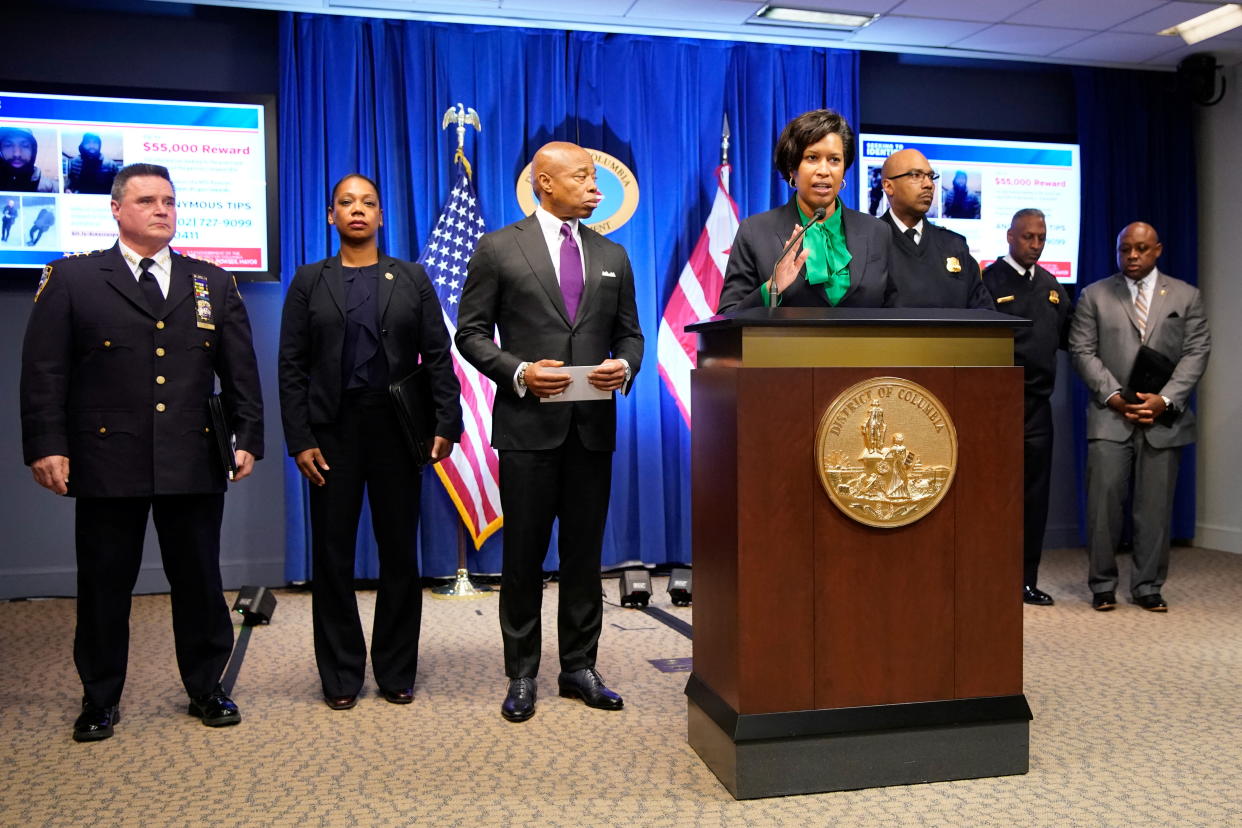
(982, 184)
(60, 154)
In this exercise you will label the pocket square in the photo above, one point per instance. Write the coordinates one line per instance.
(608, 274)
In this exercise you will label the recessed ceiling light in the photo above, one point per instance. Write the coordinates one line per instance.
(1217, 21)
(789, 16)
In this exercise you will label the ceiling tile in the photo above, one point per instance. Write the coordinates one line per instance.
(695, 11)
(1077, 14)
(1163, 17)
(987, 11)
(1021, 40)
(915, 31)
(1116, 47)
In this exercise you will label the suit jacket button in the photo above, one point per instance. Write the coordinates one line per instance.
(159, 380)
(384, 332)
(159, 406)
(159, 351)
(159, 326)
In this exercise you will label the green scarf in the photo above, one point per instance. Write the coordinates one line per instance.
(829, 261)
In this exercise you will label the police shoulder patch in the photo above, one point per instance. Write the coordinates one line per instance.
(47, 274)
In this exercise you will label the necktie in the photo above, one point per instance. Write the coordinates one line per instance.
(912, 235)
(150, 287)
(571, 271)
(1140, 309)
(1028, 274)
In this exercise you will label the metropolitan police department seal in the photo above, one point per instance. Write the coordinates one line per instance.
(614, 180)
(886, 452)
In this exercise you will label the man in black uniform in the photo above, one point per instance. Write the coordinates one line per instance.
(1022, 288)
(121, 355)
(930, 267)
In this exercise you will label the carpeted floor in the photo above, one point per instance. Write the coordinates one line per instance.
(1138, 719)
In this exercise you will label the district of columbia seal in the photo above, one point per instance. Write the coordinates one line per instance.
(886, 452)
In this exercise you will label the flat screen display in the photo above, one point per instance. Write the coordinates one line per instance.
(59, 155)
(982, 184)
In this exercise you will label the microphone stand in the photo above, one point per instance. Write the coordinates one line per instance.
(772, 292)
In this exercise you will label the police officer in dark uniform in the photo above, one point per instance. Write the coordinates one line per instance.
(1022, 288)
(121, 356)
(930, 267)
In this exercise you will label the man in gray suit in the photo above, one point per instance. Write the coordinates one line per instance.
(559, 294)
(1140, 306)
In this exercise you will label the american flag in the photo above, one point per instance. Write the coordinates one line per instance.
(696, 294)
(471, 474)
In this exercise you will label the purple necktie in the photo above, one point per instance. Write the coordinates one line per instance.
(571, 271)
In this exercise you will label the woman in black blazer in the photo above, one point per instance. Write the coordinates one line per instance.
(351, 325)
(841, 263)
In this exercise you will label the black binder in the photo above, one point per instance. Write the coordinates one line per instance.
(1151, 372)
(416, 411)
(224, 435)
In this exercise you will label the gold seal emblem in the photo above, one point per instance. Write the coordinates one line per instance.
(1053, 297)
(886, 452)
(952, 265)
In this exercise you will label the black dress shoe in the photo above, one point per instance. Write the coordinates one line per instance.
(1152, 603)
(588, 685)
(340, 702)
(403, 696)
(519, 703)
(1031, 595)
(1103, 601)
(215, 709)
(95, 722)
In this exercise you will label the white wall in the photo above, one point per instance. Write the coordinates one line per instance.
(1219, 514)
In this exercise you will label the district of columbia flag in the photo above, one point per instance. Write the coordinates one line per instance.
(696, 294)
(471, 473)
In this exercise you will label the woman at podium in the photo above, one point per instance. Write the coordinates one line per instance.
(812, 251)
(353, 324)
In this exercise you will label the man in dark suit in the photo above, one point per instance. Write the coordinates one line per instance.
(120, 359)
(1140, 306)
(931, 267)
(559, 294)
(1022, 288)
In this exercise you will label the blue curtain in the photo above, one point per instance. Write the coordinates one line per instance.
(367, 95)
(1138, 164)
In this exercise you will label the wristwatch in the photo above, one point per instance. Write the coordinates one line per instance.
(521, 374)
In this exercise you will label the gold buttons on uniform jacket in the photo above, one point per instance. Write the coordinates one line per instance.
(159, 351)
(159, 326)
(159, 406)
(159, 380)
(107, 343)
(206, 343)
(103, 430)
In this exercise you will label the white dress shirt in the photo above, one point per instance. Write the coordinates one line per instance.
(161, 270)
(918, 228)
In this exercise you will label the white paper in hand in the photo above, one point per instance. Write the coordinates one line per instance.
(579, 388)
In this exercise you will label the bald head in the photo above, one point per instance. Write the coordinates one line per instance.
(1138, 248)
(907, 181)
(563, 175)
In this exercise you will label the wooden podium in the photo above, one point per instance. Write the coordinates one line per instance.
(829, 654)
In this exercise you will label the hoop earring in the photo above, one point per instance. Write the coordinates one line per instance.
(791, 181)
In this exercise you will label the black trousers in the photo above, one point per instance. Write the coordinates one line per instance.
(109, 533)
(365, 450)
(572, 484)
(1037, 478)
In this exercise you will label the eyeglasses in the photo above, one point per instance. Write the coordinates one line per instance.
(917, 175)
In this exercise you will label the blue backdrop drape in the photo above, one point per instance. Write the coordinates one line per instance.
(1136, 135)
(367, 95)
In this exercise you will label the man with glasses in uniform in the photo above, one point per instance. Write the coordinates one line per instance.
(930, 267)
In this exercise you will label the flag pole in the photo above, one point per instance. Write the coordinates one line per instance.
(461, 586)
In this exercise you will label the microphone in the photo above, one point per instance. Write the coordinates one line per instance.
(818, 216)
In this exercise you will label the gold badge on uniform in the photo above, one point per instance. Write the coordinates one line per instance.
(202, 303)
(952, 265)
(47, 274)
(886, 452)
(1004, 299)
(1054, 297)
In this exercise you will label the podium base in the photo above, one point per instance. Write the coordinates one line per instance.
(814, 751)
